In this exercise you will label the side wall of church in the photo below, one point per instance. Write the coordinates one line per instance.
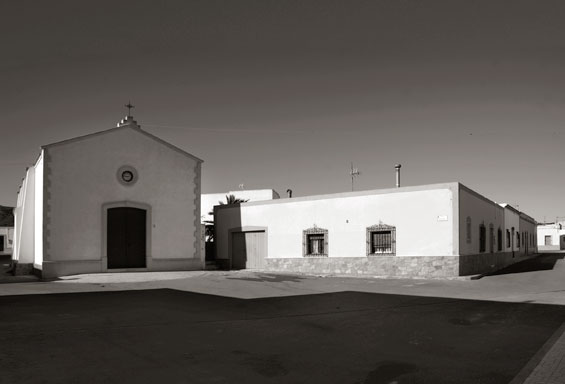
(82, 181)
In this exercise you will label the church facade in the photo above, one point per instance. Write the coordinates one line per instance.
(116, 200)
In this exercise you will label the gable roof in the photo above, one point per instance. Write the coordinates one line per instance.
(124, 127)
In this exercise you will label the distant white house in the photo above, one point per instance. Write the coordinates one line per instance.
(439, 230)
(6, 240)
(116, 200)
(551, 237)
(6, 230)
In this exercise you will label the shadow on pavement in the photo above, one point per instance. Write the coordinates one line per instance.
(268, 278)
(544, 262)
(174, 336)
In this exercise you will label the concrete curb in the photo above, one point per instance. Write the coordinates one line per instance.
(532, 373)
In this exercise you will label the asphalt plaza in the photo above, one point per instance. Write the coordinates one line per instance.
(153, 334)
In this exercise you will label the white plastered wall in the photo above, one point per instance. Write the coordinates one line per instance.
(423, 217)
(480, 211)
(511, 223)
(38, 213)
(528, 233)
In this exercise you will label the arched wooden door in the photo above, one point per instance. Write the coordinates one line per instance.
(126, 237)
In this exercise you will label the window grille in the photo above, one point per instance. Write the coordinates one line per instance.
(517, 239)
(315, 242)
(381, 240)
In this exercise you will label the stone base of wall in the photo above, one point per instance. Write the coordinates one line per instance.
(484, 263)
(20, 269)
(394, 266)
(398, 266)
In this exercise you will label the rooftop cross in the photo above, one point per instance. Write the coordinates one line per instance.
(129, 107)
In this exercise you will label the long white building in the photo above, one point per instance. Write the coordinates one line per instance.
(436, 230)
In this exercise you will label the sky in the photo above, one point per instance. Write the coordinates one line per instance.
(287, 94)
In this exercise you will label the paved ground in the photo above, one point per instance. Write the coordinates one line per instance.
(535, 281)
(217, 327)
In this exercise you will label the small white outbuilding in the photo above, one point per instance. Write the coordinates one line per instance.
(117, 200)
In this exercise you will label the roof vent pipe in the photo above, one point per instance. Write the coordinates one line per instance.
(289, 193)
(397, 167)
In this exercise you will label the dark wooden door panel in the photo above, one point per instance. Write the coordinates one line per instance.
(126, 238)
(116, 238)
(136, 238)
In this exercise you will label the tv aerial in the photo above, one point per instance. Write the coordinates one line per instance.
(354, 172)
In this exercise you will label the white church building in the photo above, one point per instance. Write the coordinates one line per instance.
(440, 230)
(117, 200)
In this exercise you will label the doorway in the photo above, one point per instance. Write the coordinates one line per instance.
(126, 237)
(248, 250)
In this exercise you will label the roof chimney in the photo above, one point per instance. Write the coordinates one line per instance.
(397, 167)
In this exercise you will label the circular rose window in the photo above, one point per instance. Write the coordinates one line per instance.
(127, 175)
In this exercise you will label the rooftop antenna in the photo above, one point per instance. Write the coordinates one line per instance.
(354, 172)
(129, 106)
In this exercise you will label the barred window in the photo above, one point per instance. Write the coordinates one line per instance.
(499, 238)
(315, 242)
(381, 240)
(517, 239)
(507, 238)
